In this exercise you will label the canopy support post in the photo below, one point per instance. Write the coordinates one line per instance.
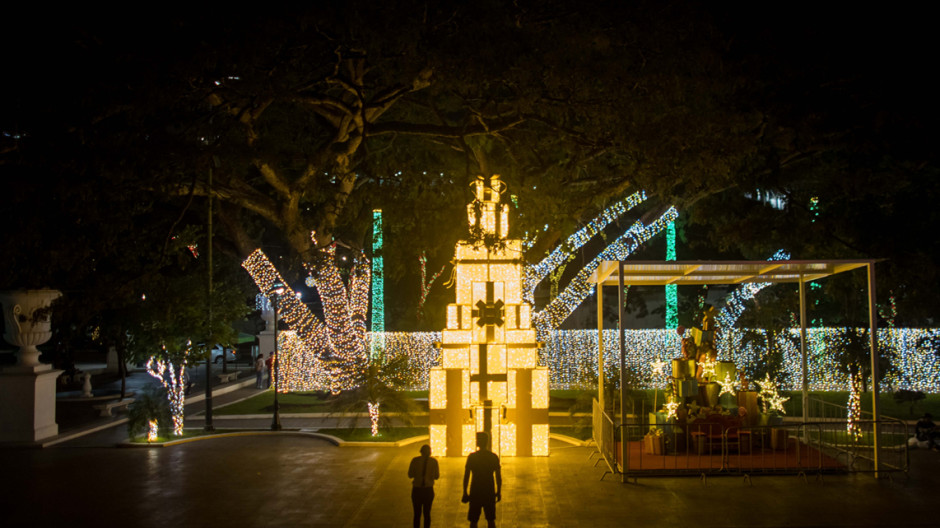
(805, 384)
(623, 389)
(600, 345)
(873, 343)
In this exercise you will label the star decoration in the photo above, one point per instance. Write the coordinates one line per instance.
(727, 385)
(671, 408)
(773, 401)
(708, 368)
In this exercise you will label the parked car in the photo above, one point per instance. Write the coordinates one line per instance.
(218, 352)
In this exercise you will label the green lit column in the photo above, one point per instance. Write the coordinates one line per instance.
(672, 290)
(378, 287)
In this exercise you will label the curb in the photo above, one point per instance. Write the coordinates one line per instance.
(339, 442)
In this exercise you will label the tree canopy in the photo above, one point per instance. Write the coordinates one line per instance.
(310, 119)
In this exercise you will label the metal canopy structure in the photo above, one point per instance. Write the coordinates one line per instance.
(689, 273)
(699, 272)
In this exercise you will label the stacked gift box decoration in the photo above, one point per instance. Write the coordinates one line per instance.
(704, 389)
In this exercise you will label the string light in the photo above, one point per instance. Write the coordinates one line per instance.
(658, 367)
(854, 407)
(537, 273)
(374, 418)
(571, 356)
(671, 408)
(672, 290)
(891, 312)
(736, 303)
(152, 431)
(378, 284)
(580, 286)
(339, 340)
(727, 385)
(173, 380)
(488, 349)
(769, 395)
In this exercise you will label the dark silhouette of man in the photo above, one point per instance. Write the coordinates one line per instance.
(424, 470)
(482, 466)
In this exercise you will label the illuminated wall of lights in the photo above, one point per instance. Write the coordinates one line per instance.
(301, 369)
(537, 273)
(378, 284)
(488, 378)
(570, 356)
(672, 290)
(580, 287)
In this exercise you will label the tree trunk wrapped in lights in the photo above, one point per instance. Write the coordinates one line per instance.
(854, 407)
(580, 286)
(173, 380)
(339, 342)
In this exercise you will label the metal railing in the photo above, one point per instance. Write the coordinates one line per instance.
(604, 439)
(705, 448)
(856, 448)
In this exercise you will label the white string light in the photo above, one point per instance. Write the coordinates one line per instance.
(173, 380)
(580, 286)
(536, 273)
(571, 356)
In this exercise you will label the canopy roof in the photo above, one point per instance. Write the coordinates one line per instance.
(698, 272)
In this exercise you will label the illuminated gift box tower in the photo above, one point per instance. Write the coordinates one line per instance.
(489, 378)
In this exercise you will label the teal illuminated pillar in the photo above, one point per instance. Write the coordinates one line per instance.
(378, 287)
(672, 290)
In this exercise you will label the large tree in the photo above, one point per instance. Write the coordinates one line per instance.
(308, 120)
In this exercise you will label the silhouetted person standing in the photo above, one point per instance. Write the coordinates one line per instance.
(424, 470)
(482, 467)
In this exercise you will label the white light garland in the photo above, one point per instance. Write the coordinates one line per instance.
(580, 286)
(536, 273)
(173, 380)
(339, 341)
(571, 356)
(374, 417)
(736, 303)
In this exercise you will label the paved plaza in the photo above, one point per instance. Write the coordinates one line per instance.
(289, 480)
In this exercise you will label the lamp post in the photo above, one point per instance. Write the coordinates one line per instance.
(277, 289)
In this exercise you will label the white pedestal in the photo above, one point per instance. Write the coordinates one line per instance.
(28, 410)
(266, 343)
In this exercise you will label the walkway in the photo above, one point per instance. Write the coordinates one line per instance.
(288, 480)
(278, 480)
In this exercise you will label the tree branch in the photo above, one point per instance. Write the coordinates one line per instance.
(393, 127)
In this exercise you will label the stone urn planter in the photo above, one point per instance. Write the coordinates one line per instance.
(27, 389)
(26, 315)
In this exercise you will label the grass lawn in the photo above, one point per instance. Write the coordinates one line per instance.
(316, 402)
(580, 400)
(263, 403)
(386, 435)
(887, 406)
